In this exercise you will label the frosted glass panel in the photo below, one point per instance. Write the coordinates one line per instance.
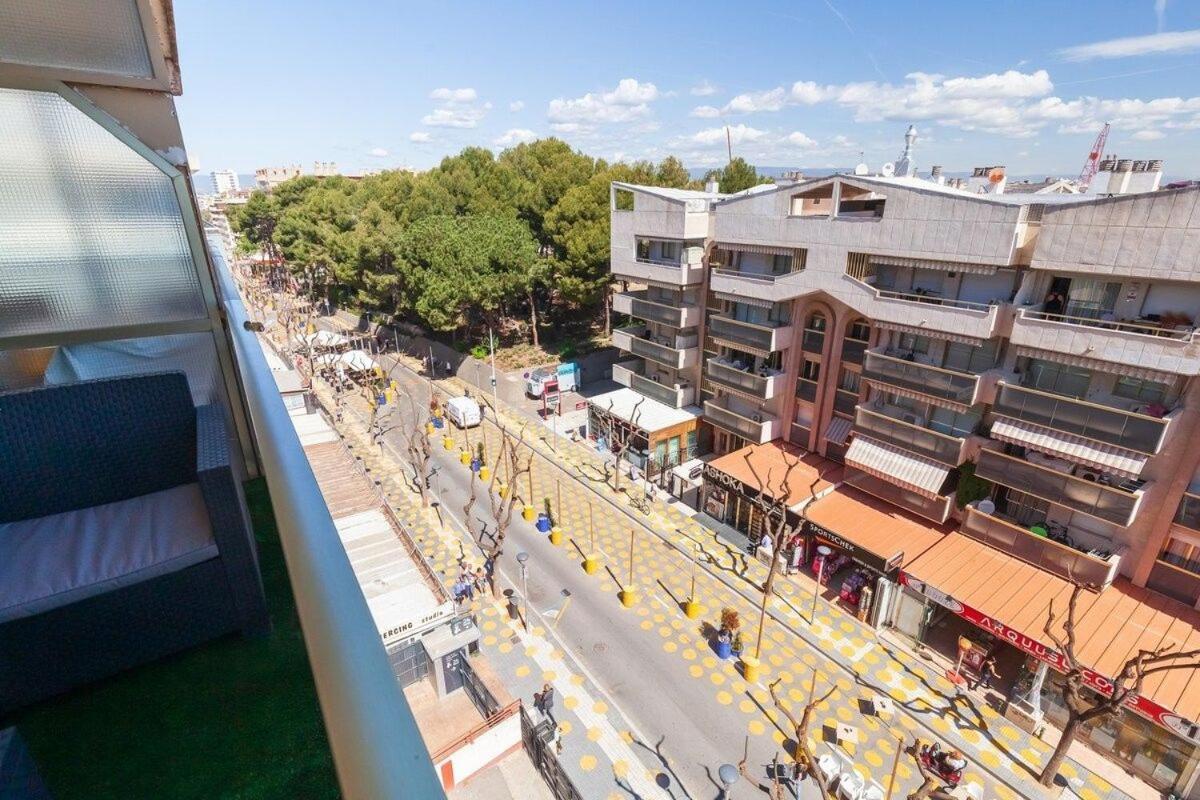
(94, 35)
(91, 234)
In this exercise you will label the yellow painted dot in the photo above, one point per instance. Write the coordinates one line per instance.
(695, 670)
(724, 698)
(522, 670)
(844, 714)
(670, 647)
(689, 654)
(549, 675)
(709, 661)
(717, 678)
(577, 680)
(647, 624)
(489, 641)
(755, 727)
(593, 734)
(505, 647)
(565, 726)
(989, 759)
(626, 737)
(747, 706)
(600, 707)
(620, 768)
(571, 702)
(873, 758)
(587, 762)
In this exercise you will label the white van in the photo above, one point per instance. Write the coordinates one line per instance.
(463, 412)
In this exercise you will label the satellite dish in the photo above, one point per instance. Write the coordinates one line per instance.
(862, 169)
(986, 507)
(888, 170)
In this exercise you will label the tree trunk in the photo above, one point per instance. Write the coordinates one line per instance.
(607, 310)
(926, 788)
(533, 318)
(1070, 730)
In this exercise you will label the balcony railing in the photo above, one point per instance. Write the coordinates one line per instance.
(1186, 334)
(762, 429)
(1104, 424)
(948, 450)
(673, 396)
(723, 373)
(636, 304)
(936, 509)
(926, 379)
(378, 749)
(764, 338)
(853, 350)
(931, 299)
(632, 340)
(845, 401)
(1173, 581)
(1108, 503)
(1048, 554)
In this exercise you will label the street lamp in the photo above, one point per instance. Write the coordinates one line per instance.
(523, 557)
(728, 775)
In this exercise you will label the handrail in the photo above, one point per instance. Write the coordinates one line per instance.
(1055, 473)
(377, 747)
(952, 372)
(755, 325)
(933, 300)
(1045, 539)
(640, 296)
(1080, 401)
(764, 277)
(953, 439)
(766, 418)
(1121, 327)
(458, 743)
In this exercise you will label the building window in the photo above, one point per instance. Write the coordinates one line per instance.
(849, 380)
(1140, 389)
(781, 264)
(860, 331)
(913, 343)
(670, 251)
(816, 321)
(1063, 379)
(811, 370)
(643, 249)
(1182, 554)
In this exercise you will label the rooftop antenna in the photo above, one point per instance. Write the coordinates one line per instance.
(1092, 164)
(728, 144)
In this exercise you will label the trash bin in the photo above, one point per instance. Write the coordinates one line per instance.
(438, 422)
(724, 649)
(476, 464)
(543, 523)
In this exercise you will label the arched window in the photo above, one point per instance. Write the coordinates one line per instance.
(816, 321)
(860, 330)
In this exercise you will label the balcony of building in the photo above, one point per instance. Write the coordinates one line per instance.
(736, 375)
(1112, 499)
(1136, 324)
(1106, 425)
(910, 372)
(853, 350)
(968, 299)
(913, 432)
(767, 336)
(669, 349)
(642, 258)
(648, 381)
(756, 272)
(742, 420)
(657, 307)
(845, 401)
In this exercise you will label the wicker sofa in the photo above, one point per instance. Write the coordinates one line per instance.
(124, 534)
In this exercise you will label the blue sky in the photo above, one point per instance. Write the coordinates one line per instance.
(802, 83)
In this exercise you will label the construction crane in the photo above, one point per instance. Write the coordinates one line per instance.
(1092, 164)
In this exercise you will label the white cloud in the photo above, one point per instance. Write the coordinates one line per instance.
(807, 93)
(703, 89)
(1005, 84)
(1154, 43)
(800, 140)
(420, 136)
(514, 136)
(378, 152)
(737, 133)
(1147, 135)
(841, 142)
(705, 112)
(516, 105)
(453, 116)
(630, 100)
(569, 127)
(751, 102)
(466, 95)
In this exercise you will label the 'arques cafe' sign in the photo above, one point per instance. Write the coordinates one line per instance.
(1144, 706)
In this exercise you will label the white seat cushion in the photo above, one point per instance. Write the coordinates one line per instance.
(60, 559)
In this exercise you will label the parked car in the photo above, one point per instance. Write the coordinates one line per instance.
(464, 412)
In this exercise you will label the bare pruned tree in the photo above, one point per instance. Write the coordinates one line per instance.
(806, 763)
(1126, 687)
(515, 457)
(932, 785)
(415, 436)
(610, 426)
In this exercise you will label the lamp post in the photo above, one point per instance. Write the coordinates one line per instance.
(728, 775)
(522, 558)
(825, 553)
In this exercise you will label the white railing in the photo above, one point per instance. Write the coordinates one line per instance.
(377, 748)
(1187, 334)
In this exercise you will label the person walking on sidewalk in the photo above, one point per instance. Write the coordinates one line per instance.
(987, 671)
(543, 701)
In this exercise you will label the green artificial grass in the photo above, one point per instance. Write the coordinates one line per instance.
(231, 719)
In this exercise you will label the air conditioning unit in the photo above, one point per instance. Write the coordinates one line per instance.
(1088, 474)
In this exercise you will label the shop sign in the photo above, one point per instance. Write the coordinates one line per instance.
(1144, 706)
(887, 566)
(726, 484)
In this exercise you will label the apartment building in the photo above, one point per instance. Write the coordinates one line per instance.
(267, 178)
(226, 182)
(1001, 384)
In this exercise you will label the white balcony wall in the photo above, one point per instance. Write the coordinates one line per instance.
(1154, 235)
(1181, 356)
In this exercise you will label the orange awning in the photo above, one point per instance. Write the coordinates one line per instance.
(874, 525)
(771, 460)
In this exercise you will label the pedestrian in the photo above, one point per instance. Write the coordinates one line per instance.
(987, 671)
(448, 369)
(480, 580)
(543, 701)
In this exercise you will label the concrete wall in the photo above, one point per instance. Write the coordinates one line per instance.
(474, 756)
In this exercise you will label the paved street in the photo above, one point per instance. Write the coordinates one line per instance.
(656, 668)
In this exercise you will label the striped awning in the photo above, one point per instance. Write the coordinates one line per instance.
(930, 332)
(764, 249)
(884, 386)
(740, 347)
(838, 430)
(1096, 365)
(1074, 448)
(928, 263)
(898, 466)
(746, 301)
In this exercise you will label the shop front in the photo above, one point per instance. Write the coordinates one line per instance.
(1157, 744)
(650, 435)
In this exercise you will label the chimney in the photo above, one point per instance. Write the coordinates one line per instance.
(712, 186)
(1118, 182)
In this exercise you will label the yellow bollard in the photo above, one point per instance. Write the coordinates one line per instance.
(485, 474)
(750, 667)
(528, 513)
(629, 597)
(503, 490)
(464, 458)
(447, 443)
(429, 429)
(556, 536)
(691, 609)
(591, 564)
